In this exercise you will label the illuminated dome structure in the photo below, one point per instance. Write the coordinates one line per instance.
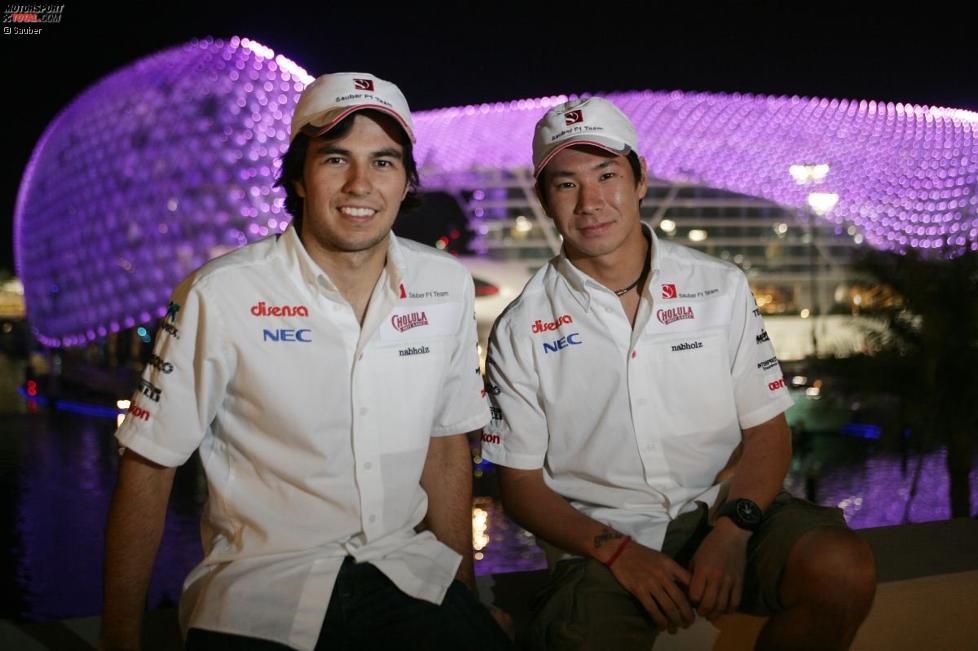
(145, 176)
(170, 161)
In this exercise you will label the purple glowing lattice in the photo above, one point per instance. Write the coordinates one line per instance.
(904, 175)
(166, 163)
(144, 177)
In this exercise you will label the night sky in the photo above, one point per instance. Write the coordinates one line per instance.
(461, 53)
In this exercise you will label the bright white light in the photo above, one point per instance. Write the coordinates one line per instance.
(122, 404)
(813, 392)
(667, 226)
(809, 173)
(480, 523)
(858, 238)
(781, 228)
(697, 235)
(857, 299)
(805, 313)
(822, 202)
(799, 381)
(523, 224)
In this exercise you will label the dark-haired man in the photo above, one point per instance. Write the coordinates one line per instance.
(328, 376)
(627, 379)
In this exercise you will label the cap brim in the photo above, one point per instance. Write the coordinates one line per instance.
(326, 121)
(619, 148)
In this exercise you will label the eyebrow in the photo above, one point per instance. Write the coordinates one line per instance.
(326, 149)
(600, 166)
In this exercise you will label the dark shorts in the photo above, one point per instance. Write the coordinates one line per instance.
(367, 611)
(584, 602)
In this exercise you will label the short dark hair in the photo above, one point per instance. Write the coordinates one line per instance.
(633, 162)
(294, 160)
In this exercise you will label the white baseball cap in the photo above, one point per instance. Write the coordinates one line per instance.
(330, 98)
(592, 121)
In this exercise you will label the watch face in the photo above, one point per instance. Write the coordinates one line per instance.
(748, 511)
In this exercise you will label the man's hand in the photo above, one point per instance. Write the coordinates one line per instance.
(718, 570)
(658, 582)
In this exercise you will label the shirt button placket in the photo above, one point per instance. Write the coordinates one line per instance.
(364, 451)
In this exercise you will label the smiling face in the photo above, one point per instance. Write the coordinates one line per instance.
(593, 198)
(352, 187)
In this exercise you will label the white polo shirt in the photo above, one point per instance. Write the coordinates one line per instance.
(312, 430)
(632, 426)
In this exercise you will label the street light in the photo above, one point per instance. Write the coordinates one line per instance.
(819, 203)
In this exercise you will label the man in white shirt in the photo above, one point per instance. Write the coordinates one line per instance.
(328, 377)
(638, 425)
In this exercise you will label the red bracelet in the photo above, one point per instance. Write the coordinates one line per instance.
(621, 548)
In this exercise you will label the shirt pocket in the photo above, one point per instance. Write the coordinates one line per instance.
(689, 379)
(407, 382)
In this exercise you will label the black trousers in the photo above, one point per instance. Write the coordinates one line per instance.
(367, 611)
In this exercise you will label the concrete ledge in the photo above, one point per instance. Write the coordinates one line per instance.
(925, 600)
(928, 587)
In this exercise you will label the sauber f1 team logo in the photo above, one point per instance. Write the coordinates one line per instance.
(363, 84)
(573, 117)
(668, 290)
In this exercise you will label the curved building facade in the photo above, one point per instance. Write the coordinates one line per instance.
(170, 161)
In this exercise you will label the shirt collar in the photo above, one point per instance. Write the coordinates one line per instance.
(582, 285)
(314, 278)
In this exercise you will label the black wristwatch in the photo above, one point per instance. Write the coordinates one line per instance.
(744, 513)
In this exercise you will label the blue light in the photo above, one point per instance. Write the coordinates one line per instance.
(141, 331)
(861, 430)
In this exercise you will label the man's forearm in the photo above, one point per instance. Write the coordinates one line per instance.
(447, 479)
(537, 508)
(764, 463)
(132, 538)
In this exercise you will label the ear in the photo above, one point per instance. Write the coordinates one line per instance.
(643, 183)
(299, 186)
(538, 191)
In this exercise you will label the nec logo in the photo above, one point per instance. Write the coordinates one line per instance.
(363, 84)
(573, 117)
(572, 339)
(287, 335)
(777, 384)
(669, 291)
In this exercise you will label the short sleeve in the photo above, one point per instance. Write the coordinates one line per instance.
(183, 383)
(517, 435)
(463, 405)
(759, 387)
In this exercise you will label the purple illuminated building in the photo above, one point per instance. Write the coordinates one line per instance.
(170, 161)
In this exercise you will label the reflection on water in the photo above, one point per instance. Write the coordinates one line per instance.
(57, 472)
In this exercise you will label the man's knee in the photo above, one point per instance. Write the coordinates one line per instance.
(832, 568)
